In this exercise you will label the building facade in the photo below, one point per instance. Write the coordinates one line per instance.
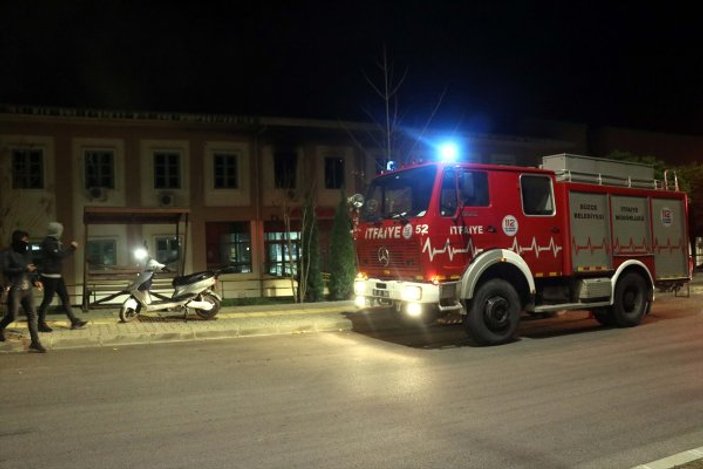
(243, 181)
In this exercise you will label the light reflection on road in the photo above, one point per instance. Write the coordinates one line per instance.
(409, 374)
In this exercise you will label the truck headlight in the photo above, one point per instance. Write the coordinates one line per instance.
(359, 287)
(411, 293)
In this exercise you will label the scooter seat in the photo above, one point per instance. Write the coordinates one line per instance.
(192, 278)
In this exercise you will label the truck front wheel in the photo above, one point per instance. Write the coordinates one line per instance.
(631, 300)
(604, 316)
(494, 314)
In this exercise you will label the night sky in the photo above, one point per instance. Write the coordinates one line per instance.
(624, 64)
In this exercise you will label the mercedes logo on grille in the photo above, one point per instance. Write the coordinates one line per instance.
(384, 256)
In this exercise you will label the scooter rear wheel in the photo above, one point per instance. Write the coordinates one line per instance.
(211, 313)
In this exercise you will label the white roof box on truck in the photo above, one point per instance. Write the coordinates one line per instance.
(579, 168)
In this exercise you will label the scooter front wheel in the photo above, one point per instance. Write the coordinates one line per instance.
(127, 314)
(210, 313)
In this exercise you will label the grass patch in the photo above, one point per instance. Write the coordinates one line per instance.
(277, 300)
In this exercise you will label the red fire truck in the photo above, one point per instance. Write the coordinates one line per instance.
(491, 242)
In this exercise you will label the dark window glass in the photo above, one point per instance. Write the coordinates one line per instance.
(469, 190)
(285, 164)
(402, 194)
(102, 253)
(27, 169)
(536, 195)
(168, 251)
(228, 243)
(167, 170)
(334, 173)
(447, 198)
(282, 249)
(225, 171)
(473, 189)
(99, 169)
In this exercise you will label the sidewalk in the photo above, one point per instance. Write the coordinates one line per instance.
(105, 330)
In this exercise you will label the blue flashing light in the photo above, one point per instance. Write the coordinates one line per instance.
(448, 152)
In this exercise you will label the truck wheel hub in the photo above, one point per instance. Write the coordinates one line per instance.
(496, 313)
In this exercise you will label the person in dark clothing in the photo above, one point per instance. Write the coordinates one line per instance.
(20, 273)
(53, 254)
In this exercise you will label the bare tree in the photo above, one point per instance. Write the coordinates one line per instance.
(287, 205)
(387, 91)
(296, 257)
(387, 136)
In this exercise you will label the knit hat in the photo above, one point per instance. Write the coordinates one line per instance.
(55, 229)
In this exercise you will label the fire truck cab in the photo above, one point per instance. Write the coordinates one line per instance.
(491, 242)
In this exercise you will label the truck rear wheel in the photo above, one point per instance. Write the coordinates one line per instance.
(631, 301)
(494, 314)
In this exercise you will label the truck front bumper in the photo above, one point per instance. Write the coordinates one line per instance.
(409, 296)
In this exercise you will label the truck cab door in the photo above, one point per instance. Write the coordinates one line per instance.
(463, 228)
(538, 236)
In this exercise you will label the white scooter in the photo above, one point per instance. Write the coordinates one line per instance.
(191, 292)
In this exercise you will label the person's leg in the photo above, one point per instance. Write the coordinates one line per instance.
(13, 306)
(49, 290)
(31, 312)
(66, 302)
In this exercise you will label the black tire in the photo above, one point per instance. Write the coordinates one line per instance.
(604, 316)
(631, 300)
(209, 314)
(127, 314)
(494, 315)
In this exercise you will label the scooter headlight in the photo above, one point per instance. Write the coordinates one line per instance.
(140, 254)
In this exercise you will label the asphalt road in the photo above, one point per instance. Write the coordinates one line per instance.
(567, 394)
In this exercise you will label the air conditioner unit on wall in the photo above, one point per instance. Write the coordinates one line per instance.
(165, 199)
(96, 194)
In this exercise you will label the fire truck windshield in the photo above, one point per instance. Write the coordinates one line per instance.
(400, 195)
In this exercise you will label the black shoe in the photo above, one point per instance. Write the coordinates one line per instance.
(2, 335)
(37, 346)
(44, 327)
(77, 324)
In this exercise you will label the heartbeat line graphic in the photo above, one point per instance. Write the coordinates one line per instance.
(589, 246)
(668, 246)
(470, 248)
(537, 249)
(631, 247)
(449, 250)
